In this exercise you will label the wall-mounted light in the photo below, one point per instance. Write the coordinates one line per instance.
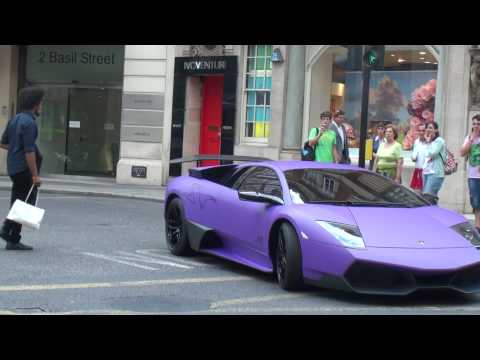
(277, 56)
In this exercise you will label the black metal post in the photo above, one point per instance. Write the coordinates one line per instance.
(364, 114)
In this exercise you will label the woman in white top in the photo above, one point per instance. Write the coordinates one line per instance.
(418, 155)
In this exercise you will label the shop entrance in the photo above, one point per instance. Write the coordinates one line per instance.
(79, 130)
(211, 118)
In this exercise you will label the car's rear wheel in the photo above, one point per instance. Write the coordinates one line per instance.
(288, 259)
(176, 229)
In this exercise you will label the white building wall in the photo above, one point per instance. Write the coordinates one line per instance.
(8, 93)
(148, 80)
(454, 124)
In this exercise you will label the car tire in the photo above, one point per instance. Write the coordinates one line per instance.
(288, 259)
(176, 229)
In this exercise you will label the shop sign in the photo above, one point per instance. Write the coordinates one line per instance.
(97, 64)
(206, 65)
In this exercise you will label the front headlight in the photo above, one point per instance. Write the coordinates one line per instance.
(468, 232)
(348, 235)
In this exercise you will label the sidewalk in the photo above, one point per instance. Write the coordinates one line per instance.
(93, 186)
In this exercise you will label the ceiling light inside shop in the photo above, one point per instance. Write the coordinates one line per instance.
(392, 55)
(400, 60)
(422, 58)
(427, 62)
(338, 89)
(422, 53)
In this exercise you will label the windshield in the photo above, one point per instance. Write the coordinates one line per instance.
(348, 187)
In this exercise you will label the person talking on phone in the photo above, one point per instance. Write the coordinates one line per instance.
(323, 140)
(471, 152)
(23, 159)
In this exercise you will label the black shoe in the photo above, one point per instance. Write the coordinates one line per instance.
(17, 246)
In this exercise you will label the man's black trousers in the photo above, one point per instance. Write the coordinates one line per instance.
(22, 183)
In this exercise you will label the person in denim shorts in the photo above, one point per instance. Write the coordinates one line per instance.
(433, 167)
(471, 151)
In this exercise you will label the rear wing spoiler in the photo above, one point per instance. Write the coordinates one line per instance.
(198, 158)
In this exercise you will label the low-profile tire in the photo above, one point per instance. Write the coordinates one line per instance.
(176, 229)
(288, 259)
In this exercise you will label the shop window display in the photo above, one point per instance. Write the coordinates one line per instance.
(402, 90)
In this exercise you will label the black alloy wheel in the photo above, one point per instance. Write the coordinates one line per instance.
(176, 229)
(288, 260)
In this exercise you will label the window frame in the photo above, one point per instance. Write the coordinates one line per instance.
(246, 90)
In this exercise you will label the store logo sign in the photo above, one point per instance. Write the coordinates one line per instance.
(205, 65)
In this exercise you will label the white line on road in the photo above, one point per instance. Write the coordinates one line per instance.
(105, 257)
(155, 253)
(8, 288)
(251, 300)
(150, 260)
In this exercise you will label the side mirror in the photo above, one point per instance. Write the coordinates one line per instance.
(259, 197)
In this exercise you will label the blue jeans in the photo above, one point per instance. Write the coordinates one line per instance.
(474, 187)
(432, 184)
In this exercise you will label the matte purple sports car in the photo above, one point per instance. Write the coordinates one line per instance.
(335, 226)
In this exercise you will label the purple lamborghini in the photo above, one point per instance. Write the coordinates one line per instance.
(335, 226)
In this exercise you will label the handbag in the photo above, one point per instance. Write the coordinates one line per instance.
(26, 214)
(308, 152)
(450, 165)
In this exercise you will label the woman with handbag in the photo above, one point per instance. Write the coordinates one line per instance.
(434, 166)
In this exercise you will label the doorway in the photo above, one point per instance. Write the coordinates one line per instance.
(211, 118)
(79, 130)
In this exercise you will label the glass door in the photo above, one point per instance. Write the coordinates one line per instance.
(93, 132)
(52, 129)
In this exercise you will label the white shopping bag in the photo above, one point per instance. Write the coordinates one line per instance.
(26, 214)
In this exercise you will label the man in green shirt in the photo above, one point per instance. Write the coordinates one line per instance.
(323, 140)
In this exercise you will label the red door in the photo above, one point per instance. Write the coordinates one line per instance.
(211, 118)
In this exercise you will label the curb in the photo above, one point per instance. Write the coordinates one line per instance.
(95, 194)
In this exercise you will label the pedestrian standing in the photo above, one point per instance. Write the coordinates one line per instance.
(323, 140)
(471, 151)
(435, 156)
(341, 141)
(377, 140)
(418, 155)
(389, 160)
(23, 159)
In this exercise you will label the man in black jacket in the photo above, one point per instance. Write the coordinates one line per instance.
(341, 133)
(23, 159)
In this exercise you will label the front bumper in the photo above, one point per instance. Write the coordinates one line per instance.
(372, 278)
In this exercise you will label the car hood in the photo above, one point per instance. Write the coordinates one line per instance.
(425, 227)
(409, 228)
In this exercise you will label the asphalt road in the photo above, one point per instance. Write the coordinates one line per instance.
(108, 256)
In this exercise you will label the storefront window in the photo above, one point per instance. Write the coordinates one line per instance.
(258, 86)
(402, 89)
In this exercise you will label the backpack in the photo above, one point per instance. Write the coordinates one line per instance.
(308, 152)
(450, 165)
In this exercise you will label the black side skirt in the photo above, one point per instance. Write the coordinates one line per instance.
(202, 237)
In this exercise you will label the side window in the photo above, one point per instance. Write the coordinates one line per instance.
(241, 176)
(263, 180)
(237, 177)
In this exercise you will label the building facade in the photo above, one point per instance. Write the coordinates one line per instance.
(126, 111)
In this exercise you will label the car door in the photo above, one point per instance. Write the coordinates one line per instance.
(250, 217)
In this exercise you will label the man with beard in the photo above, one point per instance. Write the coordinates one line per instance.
(23, 159)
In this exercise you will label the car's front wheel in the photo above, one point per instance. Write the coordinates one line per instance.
(288, 259)
(176, 229)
